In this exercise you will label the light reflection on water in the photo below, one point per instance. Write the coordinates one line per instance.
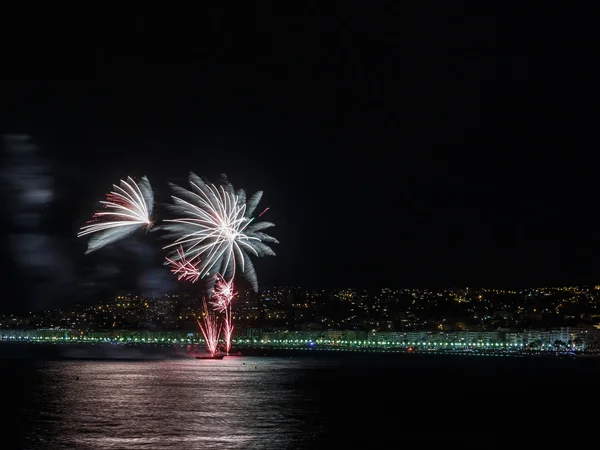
(233, 403)
(330, 401)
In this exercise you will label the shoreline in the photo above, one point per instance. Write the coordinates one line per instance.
(78, 350)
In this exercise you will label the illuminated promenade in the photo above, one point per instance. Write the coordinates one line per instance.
(295, 342)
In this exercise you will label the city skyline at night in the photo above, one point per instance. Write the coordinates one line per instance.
(383, 309)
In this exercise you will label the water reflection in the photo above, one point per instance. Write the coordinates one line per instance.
(233, 403)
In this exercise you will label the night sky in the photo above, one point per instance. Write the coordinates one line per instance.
(450, 145)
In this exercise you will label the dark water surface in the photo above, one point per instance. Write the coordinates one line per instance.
(312, 401)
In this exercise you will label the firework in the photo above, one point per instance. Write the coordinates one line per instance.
(184, 269)
(228, 331)
(127, 208)
(211, 330)
(223, 295)
(216, 223)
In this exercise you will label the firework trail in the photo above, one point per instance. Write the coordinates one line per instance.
(228, 331)
(223, 295)
(216, 223)
(184, 269)
(211, 330)
(127, 208)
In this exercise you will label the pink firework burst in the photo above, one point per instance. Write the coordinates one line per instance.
(183, 268)
(222, 296)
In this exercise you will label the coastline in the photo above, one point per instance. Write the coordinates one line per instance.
(61, 350)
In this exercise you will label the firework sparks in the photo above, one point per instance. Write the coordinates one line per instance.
(228, 331)
(215, 222)
(127, 209)
(184, 269)
(223, 295)
(211, 329)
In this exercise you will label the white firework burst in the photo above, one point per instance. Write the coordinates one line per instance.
(214, 223)
(127, 209)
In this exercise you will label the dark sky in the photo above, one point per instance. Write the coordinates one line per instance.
(447, 144)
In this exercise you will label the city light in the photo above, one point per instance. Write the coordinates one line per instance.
(391, 320)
